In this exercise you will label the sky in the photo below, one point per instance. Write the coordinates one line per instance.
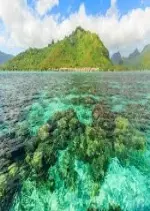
(122, 25)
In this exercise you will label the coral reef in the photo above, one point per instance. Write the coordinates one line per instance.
(95, 145)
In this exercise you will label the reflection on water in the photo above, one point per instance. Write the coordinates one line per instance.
(74, 141)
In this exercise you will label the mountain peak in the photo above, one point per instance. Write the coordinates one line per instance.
(78, 31)
(146, 48)
(79, 28)
(134, 54)
(117, 58)
(82, 49)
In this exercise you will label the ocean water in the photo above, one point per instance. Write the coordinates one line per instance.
(80, 174)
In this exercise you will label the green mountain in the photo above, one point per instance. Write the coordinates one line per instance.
(117, 59)
(5, 57)
(134, 54)
(79, 50)
(138, 61)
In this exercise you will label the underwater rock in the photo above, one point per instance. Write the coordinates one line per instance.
(111, 208)
(127, 138)
(13, 169)
(73, 124)
(22, 129)
(94, 148)
(62, 123)
(37, 160)
(92, 207)
(104, 118)
(101, 111)
(90, 100)
(114, 208)
(83, 101)
(57, 116)
(53, 136)
(9, 184)
(31, 144)
(11, 159)
(122, 124)
(43, 132)
(3, 182)
(4, 163)
(107, 137)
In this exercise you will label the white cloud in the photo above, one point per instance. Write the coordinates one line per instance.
(43, 6)
(112, 11)
(24, 28)
(2, 40)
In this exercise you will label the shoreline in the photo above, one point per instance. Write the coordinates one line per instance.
(64, 69)
(77, 69)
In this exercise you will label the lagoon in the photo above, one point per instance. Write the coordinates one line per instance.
(74, 141)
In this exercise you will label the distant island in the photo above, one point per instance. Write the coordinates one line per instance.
(5, 57)
(135, 61)
(81, 51)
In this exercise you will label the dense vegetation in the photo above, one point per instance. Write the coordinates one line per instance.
(82, 49)
(79, 50)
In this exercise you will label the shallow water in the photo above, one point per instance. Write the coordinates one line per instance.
(33, 98)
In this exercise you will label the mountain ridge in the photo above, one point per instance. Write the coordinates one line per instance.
(134, 54)
(4, 57)
(117, 58)
(79, 50)
(135, 61)
(138, 60)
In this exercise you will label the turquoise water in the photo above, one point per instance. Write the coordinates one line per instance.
(77, 176)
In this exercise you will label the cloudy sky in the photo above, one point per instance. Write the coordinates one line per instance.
(122, 25)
